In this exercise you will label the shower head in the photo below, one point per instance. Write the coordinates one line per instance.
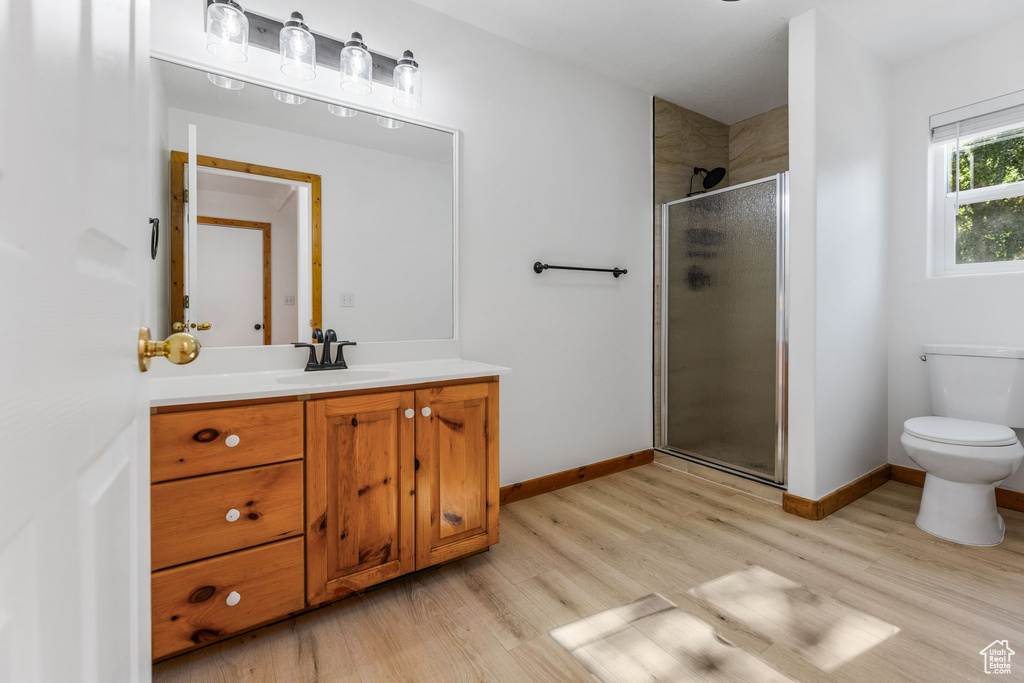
(711, 178)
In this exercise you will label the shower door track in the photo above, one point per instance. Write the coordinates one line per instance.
(735, 470)
(781, 339)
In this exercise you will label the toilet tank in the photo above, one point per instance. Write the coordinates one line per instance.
(983, 383)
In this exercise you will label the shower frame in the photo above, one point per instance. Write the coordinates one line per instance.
(781, 338)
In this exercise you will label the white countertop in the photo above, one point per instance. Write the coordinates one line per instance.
(213, 388)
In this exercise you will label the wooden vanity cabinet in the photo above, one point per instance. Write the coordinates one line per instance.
(396, 482)
(226, 521)
(457, 473)
(261, 511)
(360, 493)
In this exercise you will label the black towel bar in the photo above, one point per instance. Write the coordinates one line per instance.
(539, 267)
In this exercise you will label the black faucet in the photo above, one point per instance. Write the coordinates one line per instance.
(325, 362)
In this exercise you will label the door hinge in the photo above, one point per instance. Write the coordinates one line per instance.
(186, 196)
(186, 301)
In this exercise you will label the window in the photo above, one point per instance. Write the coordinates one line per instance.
(979, 188)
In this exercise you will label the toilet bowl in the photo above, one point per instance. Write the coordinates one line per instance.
(967, 446)
(964, 460)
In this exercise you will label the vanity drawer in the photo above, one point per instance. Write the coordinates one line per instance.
(218, 513)
(222, 439)
(191, 602)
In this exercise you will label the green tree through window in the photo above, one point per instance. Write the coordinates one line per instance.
(993, 230)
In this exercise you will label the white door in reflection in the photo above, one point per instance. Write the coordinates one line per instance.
(230, 273)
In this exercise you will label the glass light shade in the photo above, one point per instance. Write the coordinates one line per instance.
(225, 82)
(408, 82)
(385, 122)
(356, 67)
(343, 112)
(288, 98)
(227, 31)
(298, 50)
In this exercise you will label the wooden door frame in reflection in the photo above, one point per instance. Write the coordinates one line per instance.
(178, 161)
(252, 225)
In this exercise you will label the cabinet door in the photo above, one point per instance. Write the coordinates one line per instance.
(457, 471)
(360, 492)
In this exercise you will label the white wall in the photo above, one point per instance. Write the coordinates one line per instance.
(838, 152)
(971, 309)
(386, 225)
(555, 166)
(284, 277)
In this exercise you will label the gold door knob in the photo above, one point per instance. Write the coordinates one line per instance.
(178, 327)
(203, 326)
(180, 348)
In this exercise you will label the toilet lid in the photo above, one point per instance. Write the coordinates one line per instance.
(960, 432)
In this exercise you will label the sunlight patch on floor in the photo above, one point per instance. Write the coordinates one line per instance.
(826, 633)
(653, 640)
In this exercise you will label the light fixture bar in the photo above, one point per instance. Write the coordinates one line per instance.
(265, 32)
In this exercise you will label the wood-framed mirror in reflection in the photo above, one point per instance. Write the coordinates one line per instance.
(265, 195)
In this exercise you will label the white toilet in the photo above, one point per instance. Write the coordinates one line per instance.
(977, 394)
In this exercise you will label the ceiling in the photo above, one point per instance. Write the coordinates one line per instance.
(726, 60)
(246, 184)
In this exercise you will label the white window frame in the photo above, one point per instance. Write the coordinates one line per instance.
(944, 217)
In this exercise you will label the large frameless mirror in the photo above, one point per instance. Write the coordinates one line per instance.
(286, 214)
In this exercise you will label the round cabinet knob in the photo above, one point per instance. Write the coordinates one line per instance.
(233, 598)
(426, 411)
(231, 441)
(410, 413)
(232, 515)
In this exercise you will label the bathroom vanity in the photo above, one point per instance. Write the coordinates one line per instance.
(289, 498)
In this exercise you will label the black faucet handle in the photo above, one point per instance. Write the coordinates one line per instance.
(340, 360)
(312, 351)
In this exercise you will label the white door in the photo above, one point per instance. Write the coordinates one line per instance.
(230, 275)
(74, 434)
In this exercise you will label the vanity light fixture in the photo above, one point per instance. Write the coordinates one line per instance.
(230, 30)
(288, 98)
(408, 82)
(356, 67)
(298, 50)
(393, 124)
(225, 82)
(227, 31)
(343, 112)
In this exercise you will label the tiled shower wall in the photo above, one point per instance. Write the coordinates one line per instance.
(754, 148)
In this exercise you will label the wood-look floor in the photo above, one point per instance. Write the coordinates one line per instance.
(862, 595)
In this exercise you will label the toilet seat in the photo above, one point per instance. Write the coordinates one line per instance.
(958, 432)
(963, 461)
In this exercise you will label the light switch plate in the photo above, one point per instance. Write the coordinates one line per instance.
(289, 301)
(347, 299)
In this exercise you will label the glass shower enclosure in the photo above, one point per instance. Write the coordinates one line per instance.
(724, 328)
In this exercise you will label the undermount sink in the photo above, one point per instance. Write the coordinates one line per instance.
(333, 377)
